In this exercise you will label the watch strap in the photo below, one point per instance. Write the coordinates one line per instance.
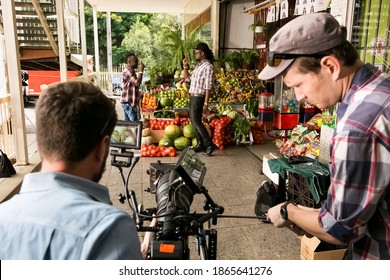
(283, 210)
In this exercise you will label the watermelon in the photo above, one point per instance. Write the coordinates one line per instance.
(166, 102)
(172, 131)
(189, 131)
(166, 142)
(181, 143)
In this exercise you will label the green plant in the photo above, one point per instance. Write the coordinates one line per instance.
(178, 47)
(249, 59)
(240, 59)
(254, 25)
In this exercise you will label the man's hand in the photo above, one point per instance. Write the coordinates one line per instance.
(145, 243)
(185, 62)
(274, 217)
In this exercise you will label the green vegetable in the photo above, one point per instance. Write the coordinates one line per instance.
(241, 129)
(252, 107)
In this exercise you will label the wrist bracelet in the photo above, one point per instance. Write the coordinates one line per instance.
(185, 67)
(206, 103)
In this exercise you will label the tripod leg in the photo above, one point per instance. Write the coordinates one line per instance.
(212, 248)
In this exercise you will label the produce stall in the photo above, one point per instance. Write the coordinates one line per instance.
(233, 105)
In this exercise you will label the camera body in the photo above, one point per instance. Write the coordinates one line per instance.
(174, 187)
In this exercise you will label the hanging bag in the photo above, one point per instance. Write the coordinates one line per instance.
(266, 197)
(6, 167)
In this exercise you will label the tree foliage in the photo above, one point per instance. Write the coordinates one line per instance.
(120, 25)
(156, 39)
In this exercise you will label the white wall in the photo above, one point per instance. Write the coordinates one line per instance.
(238, 35)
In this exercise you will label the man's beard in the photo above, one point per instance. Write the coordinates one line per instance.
(98, 176)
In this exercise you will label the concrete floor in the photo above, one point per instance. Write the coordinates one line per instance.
(232, 179)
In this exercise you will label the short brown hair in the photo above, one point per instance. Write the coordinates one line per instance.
(346, 53)
(72, 117)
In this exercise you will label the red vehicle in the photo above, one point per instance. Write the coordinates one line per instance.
(38, 80)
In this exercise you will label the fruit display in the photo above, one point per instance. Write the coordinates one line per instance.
(157, 151)
(182, 142)
(178, 137)
(181, 102)
(173, 131)
(189, 131)
(221, 129)
(181, 95)
(168, 114)
(159, 124)
(149, 102)
(256, 132)
(166, 142)
(236, 86)
(166, 98)
(230, 89)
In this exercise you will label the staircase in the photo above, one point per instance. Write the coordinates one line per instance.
(36, 22)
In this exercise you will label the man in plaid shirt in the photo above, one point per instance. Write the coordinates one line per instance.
(314, 57)
(131, 95)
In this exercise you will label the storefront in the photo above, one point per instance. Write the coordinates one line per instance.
(227, 24)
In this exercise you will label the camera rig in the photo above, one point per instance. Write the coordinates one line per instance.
(174, 186)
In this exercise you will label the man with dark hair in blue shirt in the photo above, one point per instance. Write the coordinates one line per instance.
(62, 212)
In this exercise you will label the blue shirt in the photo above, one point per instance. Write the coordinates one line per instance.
(357, 209)
(59, 216)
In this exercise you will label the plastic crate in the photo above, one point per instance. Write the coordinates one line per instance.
(297, 190)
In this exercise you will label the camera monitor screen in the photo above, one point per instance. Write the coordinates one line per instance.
(127, 135)
(191, 169)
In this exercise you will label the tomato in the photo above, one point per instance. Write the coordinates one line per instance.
(172, 151)
(165, 152)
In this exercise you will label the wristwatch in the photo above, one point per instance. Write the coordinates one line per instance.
(283, 210)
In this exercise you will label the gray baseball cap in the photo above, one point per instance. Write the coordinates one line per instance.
(306, 35)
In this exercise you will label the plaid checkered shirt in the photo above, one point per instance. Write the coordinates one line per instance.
(357, 209)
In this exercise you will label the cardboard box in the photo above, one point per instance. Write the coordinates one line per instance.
(274, 177)
(157, 135)
(147, 115)
(315, 249)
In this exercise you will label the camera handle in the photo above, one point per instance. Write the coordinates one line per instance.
(129, 196)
